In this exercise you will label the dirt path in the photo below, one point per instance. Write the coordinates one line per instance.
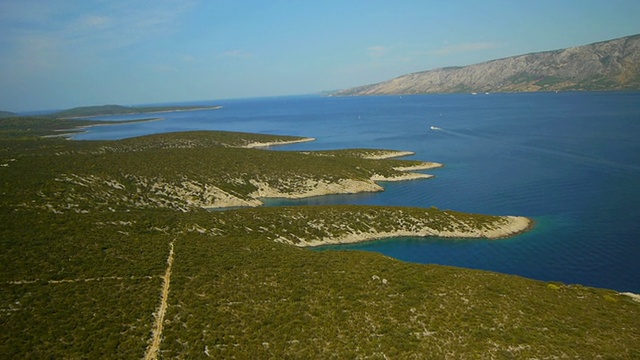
(154, 347)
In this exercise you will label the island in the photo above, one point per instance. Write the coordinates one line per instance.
(108, 110)
(603, 66)
(108, 250)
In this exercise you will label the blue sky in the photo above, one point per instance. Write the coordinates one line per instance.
(66, 53)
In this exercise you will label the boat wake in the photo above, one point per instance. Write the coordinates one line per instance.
(574, 157)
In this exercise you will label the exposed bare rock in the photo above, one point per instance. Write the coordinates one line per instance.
(607, 65)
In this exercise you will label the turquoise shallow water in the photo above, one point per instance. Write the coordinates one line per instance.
(571, 161)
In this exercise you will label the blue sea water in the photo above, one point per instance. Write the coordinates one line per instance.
(570, 161)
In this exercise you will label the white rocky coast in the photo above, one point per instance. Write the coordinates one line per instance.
(502, 227)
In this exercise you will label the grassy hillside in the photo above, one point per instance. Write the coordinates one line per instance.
(91, 233)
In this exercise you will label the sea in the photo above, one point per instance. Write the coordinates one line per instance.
(568, 160)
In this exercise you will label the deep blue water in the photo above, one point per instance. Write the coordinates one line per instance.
(571, 161)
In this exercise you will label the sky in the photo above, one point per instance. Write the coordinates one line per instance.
(57, 54)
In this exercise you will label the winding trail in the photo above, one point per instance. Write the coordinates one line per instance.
(154, 346)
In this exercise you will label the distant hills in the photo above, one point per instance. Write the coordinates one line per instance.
(607, 65)
(85, 111)
(4, 114)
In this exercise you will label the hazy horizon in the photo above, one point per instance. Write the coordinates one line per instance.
(72, 53)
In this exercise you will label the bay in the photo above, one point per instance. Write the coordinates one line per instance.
(570, 161)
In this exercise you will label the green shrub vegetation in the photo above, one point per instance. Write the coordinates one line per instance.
(86, 111)
(33, 127)
(85, 237)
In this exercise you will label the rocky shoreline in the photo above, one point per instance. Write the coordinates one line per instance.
(313, 188)
(276, 143)
(506, 226)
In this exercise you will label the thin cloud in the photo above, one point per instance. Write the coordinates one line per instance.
(95, 21)
(71, 29)
(164, 68)
(464, 47)
(393, 54)
(378, 51)
(189, 59)
(236, 54)
(178, 63)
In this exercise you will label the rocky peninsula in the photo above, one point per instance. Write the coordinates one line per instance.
(234, 170)
(503, 227)
(305, 226)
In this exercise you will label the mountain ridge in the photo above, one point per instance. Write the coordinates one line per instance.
(605, 65)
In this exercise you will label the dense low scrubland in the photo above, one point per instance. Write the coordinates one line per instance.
(180, 171)
(84, 245)
(87, 285)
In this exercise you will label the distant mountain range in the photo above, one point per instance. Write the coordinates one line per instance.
(606, 65)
